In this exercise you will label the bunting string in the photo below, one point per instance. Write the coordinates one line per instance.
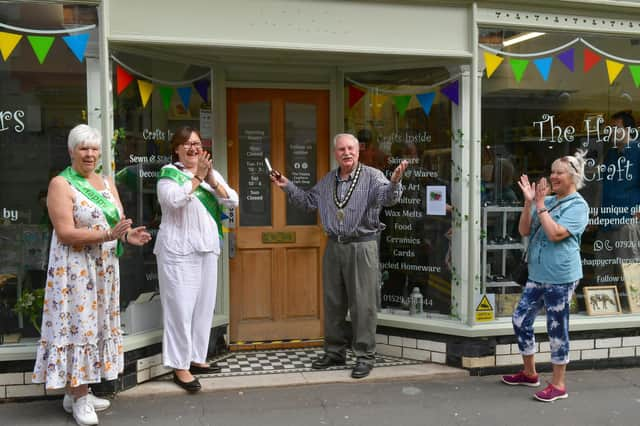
(158, 81)
(33, 31)
(421, 89)
(529, 55)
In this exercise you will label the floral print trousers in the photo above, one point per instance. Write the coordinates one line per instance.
(556, 298)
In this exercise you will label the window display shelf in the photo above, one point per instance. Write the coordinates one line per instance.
(516, 246)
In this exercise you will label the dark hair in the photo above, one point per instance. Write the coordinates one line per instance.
(181, 136)
(626, 117)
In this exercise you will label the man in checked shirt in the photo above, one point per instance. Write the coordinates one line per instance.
(349, 200)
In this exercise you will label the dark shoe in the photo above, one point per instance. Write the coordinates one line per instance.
(361, 370)
(211, 369)
(192, 386)
(325, 362)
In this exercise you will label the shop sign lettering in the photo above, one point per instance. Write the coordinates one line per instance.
(549, 131)
(12, 120)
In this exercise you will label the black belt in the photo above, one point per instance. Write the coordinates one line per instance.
(342, 239)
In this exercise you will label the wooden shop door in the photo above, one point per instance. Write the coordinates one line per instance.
(276, 270)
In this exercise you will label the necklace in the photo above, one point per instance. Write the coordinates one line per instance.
(340, 204)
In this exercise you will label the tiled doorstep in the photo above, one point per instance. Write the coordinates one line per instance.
(401, 372)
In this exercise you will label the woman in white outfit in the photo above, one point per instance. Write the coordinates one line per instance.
(190, 192)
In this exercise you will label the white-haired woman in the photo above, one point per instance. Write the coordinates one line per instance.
(81, 341)
(555, 225)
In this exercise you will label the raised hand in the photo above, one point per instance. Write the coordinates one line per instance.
(542, 190)
(278, 179)
(204, 164)
(399, 171)
(528, 189)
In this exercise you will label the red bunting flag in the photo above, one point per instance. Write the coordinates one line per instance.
(590, 59)
(123, 78)
(355, 95)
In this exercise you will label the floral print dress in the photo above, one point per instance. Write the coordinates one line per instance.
(81, 341)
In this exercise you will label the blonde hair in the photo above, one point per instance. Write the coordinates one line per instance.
(575, 166)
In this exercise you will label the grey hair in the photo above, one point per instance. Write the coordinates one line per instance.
(575, 166)
(81, 135)
(344, 135)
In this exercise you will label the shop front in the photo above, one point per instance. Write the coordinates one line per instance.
(471, 95)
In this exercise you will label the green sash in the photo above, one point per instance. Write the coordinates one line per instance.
(110, 211)
(207, 199)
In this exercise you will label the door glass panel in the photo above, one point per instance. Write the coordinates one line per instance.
(254, 133)
(301, 155)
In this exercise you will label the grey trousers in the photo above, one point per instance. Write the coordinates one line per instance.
(350, 274)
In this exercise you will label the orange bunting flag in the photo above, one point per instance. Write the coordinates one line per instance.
(493, 62)
(123, 78)
(8, 42)
(613, 69)
(145, 89)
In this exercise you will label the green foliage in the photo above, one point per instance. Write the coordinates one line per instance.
(30, 304)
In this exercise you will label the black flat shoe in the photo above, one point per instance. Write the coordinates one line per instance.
(326, 362)
(361, 370)
(192, 386)
(210, 369)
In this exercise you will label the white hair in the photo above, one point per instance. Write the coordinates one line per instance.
(575, 166)
(83, 135)
(344, 135)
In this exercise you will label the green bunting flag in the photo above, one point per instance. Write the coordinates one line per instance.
(635, 73)
(402, 102)
(166, 93)
(518, 66)
(41, 46)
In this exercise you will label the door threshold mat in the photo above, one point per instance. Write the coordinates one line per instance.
(275, 344)
(285, 361)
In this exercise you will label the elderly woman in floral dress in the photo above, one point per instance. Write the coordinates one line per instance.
(81, 340)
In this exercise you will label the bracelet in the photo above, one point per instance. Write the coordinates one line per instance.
(107, 235)
(198, 177)
(542, 210)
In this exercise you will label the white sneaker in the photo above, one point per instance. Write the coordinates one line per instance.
(99, 404)
(83, 412)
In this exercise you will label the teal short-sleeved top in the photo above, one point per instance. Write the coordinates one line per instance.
(558, 262)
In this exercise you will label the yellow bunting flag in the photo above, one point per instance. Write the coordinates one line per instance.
(145, 89)
(493, 62)
(378, 102)
(613, 69)
(8, 42)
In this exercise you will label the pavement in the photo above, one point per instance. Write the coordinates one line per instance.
(425, 394)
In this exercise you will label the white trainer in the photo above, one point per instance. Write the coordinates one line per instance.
(99, 404)
(83, 412)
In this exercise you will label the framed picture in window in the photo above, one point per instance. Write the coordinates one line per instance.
(602, 300)
(631, 274)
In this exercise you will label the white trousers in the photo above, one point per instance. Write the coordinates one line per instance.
(188, 293)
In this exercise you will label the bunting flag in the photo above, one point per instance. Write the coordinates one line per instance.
(123, 78)
(544, 66)
(77, 44)
(518, 66)
(590, 59)
(8, 42)
(613, 69)
(41, 46)
(402, 102)
(355, 95)
(426, 101)
(567, 58)
(223, 216)
(493, 62)
(185, 95)
(166, 93)
(635, 73)
(452, 91)
(378, 102)
(145, 89)
(202, 87)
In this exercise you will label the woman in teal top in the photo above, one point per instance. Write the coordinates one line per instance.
(555, 225)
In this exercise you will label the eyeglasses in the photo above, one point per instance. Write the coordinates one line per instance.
(192, 144)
